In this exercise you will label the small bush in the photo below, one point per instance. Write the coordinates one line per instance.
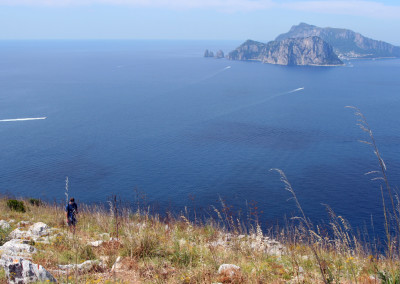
(35, 202)
(16, 205)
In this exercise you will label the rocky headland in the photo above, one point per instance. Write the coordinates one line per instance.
(306, 44)
(300, 51)
(347, 44)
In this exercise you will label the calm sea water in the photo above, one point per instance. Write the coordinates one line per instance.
(186, 130)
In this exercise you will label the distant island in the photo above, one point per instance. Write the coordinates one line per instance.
(293, 51)
(306, 44)
(346, 43)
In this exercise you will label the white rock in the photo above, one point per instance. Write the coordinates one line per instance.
(34, 232)
(19, 234)
(95, 243)
(39, 229)
(17, 247)
(20, 271)
(4, 225)
(228, 269)
(83, 267)
(275, 250)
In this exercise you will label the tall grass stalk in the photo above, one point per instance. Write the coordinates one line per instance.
(392, 239)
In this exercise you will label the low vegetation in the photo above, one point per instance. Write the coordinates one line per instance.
(16, 205)
(175, 250)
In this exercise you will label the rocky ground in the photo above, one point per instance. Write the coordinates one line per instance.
(18, 252)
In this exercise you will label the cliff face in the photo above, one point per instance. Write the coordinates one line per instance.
(300, 51)
(346, 43)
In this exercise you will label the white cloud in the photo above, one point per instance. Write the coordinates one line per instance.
(351, 7)
(356, 8)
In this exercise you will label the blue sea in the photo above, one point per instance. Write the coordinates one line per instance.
(159, 118)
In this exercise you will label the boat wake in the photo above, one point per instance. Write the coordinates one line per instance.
(22, 119)
(256, 103)
(214, 74)
(295, 90)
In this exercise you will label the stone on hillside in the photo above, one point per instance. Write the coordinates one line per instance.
(275, 249)
(34, 232)
(39, 229)
(95, 243)
(84, 267)
(17, 247)
(21, 271)
(18, 234)
(4, 225)
(229, 270)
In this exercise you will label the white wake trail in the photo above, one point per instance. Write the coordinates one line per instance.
(255, 103)
(215, 73)
(295, 90)
(22, 119)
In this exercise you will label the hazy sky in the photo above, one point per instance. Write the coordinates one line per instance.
(192, 19)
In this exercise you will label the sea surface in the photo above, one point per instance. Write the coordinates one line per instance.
(156, 117)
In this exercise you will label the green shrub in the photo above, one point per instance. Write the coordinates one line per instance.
(35, 202)
(16, 205)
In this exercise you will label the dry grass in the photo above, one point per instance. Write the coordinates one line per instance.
(182, 252)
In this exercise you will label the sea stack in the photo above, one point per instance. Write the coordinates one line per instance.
(208, 53)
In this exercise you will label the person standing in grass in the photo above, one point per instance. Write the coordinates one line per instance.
(71, 210)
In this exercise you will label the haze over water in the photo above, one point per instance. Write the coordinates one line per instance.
(157, 116)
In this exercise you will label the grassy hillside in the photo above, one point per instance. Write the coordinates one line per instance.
(178, 251)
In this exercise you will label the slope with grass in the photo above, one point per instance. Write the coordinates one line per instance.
(175, 250)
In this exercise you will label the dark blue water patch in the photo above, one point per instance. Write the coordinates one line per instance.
(253, 135)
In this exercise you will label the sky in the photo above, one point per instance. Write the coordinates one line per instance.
(259, 20)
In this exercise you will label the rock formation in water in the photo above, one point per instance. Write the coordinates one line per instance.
(299, 51)
(208, 53)
(219, 54)
(346, 43)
